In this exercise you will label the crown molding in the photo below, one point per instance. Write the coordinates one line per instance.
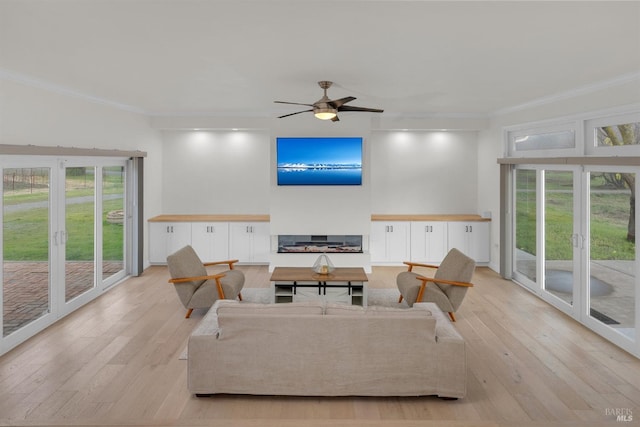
(63, 90)
(573, 93)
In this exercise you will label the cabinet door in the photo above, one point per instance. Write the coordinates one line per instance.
(167, 237)
(398, 242)
(378, 241)
(210, 240)
(471, 238)
(261, 242)
(458, 236)
(389, 242)
(240, 241)
(479, 242)
(428, 241)
(250, 242)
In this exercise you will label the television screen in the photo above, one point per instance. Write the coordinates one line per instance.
(319, 161)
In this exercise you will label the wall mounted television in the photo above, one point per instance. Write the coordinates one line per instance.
(319, 160)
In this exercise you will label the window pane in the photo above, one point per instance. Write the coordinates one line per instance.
(545, 141)
(80, 231)
(618, 135)
(25, 286)
(525, 223)
(612, 250)
(112, 220)
(558, 227)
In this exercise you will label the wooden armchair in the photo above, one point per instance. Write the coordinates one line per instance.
(196, 288)
(449, 284)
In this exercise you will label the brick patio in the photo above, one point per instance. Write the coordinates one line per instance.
(26, 288)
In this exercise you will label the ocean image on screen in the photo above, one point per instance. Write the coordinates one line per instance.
(319, 161)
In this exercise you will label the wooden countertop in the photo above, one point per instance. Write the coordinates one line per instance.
(436, 217)
(266, 218)
(210, 218)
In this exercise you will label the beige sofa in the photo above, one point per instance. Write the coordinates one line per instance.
(317, 349)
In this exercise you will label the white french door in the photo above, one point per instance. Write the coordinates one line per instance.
(64, 238)
(547, 233)
(574, 243)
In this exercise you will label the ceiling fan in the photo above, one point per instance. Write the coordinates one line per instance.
(327, 109)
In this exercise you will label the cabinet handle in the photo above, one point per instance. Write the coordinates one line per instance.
(172, 228)
(471, 228)
(391, 227)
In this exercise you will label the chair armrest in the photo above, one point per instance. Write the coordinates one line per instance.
(192, 279)
(230, 262)
(217, 277)
(417, 264)
(448, 282)
(433, 279)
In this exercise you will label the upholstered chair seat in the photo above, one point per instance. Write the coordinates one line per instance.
(447, 288)
(196, 288)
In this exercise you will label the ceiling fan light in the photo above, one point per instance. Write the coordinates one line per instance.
(325, 113)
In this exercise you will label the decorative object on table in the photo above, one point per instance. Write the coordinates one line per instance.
(323, 265)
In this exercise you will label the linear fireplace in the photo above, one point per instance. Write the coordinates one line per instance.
(301, 243)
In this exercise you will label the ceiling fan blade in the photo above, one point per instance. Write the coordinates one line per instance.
(339, 102)
(349, 108)
(292, 103)
(335, 119)
(293, 114)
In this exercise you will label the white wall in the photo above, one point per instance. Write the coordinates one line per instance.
(322, 209)
(424, 172)
(33, 116)
(215, 172)
(227, 172)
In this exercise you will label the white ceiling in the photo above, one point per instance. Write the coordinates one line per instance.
(235, 57)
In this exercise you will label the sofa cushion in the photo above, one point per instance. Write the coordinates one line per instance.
(345, 309)
(333, 308)
(236, 307)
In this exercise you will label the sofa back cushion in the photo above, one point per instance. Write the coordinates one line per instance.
(235, 307)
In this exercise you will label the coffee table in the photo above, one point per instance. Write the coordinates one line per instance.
(344, 284)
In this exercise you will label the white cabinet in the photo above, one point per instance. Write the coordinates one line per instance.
(167, 237)
(389, 242)
(213, 240)
(250, 242)
(428, 241)
(210, 240)
(471, 238)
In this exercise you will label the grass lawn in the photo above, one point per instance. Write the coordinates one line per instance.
(609, 219)
(26, 233)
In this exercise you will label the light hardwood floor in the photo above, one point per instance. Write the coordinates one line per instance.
(116, 362)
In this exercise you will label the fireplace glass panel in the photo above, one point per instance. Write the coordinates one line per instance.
(306, 243)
